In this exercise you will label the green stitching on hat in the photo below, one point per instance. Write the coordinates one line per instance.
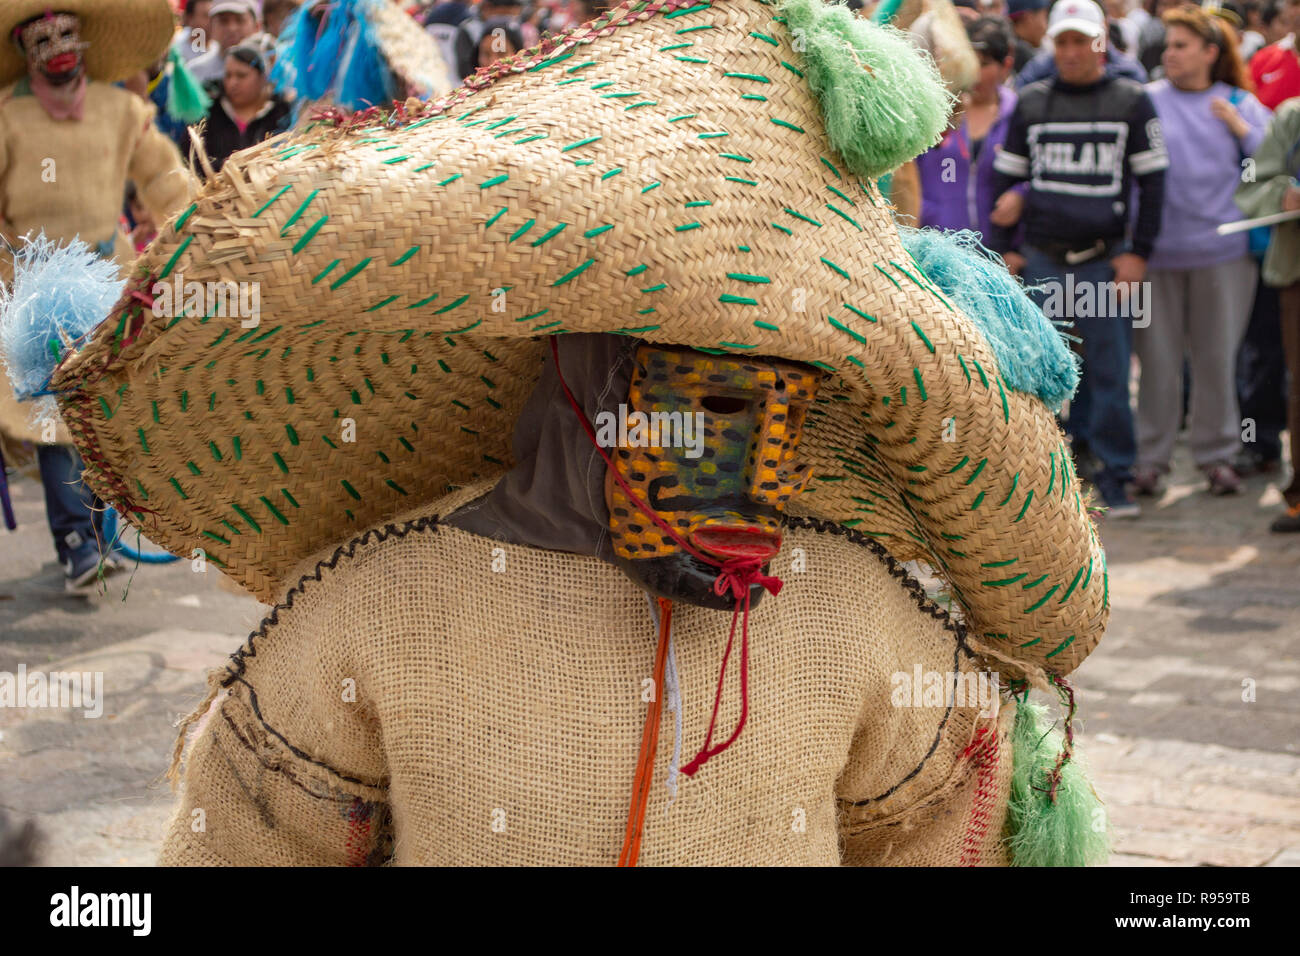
(848, 331)
(712, 135)
(502, 122)
(841, 195)
(550, 233)
(698, 26)
(764, 37)
(383, 302)
(1004, 581)
(736, 299)
(684, 116)
(416, 305)
(902, 394)
(1051, 480)
(246, 516)
(1028, 498)
(390, 162)
(656, 288)
(639, 330)
(1062, 646)
(675, 46)
(746, 277)
(856, 361)
(641, 103)
(793, 69)
(920, 385)
(143, 444)
(267, 205)
(788, 232)
(309, 235)
(328, 269)
(449, 179)
(521, 230)
(876, 265)
(699, 202)
(546, 63)
(979, 368)
(637, 270)
(350, 274)
(691, 59)
(858, 312)
(682, 13)
(844, 215)
(189, 212)
(976, 473)
(548, 325)
(420, 169)
(579, 66)
(572, 273)
(1078, 574)
(918, 331)
(831, 166)
(978, 500)
(348, 487)
(964, 369)
(216, 452)
(495, 216)
(759, 323)
(686, 227)
(834, 266)
(216, 537)
(529, 139)
(1006, 417)
(273, 509)
(592, 233)
(1088, 576)
(737, 345)
(581, 142)
(179, 490)
(1014, 481)
(756, 77)
(1031, 643)
(1033, 584)
(653, 185)
(406, 444)
(293, 435)
(799, 215)
(356, 400)
(232, 528)
(617, 169)
(959, 466)
(451, 305)
(736, 156)
(1000, 564)
(396, 262)
(217, 340)
(297, 214)
(395, 486)
(572, 79)
(754, 96)
(737, 179)
(1043, 600)
(166, 271)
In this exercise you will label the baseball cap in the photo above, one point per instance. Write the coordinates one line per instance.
(1082, 16)
(236, 6)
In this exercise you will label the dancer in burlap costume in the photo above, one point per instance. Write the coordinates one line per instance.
(69, 141)
(469, 637)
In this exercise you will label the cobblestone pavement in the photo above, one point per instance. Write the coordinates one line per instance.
(1206, 607)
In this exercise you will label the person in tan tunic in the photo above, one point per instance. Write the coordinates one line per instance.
(602, 403)
(69, 142)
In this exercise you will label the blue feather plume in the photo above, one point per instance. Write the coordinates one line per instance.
(1031, 352)
(59, 293)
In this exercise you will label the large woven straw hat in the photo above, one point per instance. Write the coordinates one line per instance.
(665, 173)
(124, 35)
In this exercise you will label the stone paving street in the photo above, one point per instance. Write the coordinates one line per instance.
(1206, 606)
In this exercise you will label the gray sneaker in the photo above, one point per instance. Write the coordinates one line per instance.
(81, 570)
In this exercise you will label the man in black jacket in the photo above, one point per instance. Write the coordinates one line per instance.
(1082, 140)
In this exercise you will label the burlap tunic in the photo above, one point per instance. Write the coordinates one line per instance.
(428, 696)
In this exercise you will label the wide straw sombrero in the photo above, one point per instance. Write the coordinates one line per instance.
(665, 172)
(124, 35)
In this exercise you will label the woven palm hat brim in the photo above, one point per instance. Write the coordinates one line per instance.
(665, 175)
(123, 35)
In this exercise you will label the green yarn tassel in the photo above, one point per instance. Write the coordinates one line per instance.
(186, 99)
(1072, 831)
(882, 100)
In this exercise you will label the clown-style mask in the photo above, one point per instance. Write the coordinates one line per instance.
(711, 444)
(52, 44)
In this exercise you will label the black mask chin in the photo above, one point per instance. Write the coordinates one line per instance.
(684, 578)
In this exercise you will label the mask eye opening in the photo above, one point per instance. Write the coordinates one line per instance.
(724, 404)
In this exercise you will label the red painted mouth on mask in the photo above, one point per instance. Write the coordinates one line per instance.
(728, 543)
(61, 63)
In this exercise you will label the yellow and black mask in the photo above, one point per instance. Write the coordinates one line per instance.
(711, 444)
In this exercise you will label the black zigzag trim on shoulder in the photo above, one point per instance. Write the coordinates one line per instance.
(235, 669)
(923, 601)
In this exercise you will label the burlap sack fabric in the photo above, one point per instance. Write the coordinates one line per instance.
(665, 173)
(495, 714)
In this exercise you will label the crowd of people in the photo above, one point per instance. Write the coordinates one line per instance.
(1097, 146)
(1103, 149)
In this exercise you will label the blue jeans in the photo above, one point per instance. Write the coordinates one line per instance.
(70, 507)
(1101, 416)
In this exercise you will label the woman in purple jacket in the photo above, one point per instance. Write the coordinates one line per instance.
(1201, 284)
(957, 175)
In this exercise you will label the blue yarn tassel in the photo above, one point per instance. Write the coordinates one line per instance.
(59, 293)
(1031, 352)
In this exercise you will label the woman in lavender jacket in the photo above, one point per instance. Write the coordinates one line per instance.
(1201, 284)
(957, 175)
